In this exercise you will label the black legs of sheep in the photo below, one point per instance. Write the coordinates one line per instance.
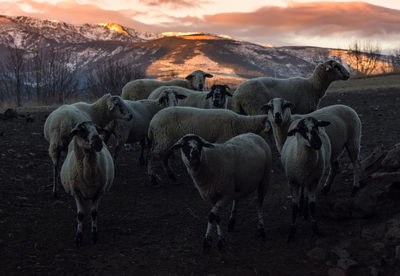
(303, 203)
(80, 216)
(56, 164)
(213, 217)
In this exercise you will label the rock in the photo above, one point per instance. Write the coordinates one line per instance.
(346, 263)
(397, 254)
(317, 254)
(364, 203)
(341, 253)
(335, 271)
(393, 234)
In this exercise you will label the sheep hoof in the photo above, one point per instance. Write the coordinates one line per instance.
(94, 236)
(292, 233)
(356, 189)
(221, 244)
(207, 244)
(231, 225)
(78, 239)
(316, 231)
(261, 234)
(325, 190)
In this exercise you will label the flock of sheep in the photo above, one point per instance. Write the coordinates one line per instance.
(222, 138)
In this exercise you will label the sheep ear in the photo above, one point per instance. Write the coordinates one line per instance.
(227, 87)
(180, 97)
(323, 123)
(177, 145)
(74, 132)
(292, 132)
(266, 107)
(189, 77)
(207, 75)
(228, 94)
(111, 103)
(213, 87)
(207, 144)
(161, 100)
(290, 105)
(209, 94)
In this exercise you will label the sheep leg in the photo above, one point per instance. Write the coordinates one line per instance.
(311, 205)
(142, 147)
(260, 201)
(94, 215)
(79, 220)
(295, 191)
(356, 177)
(232, 218)
(213, 217)
(56, 162)
(150, 171)
(333, 170)
(167, 167)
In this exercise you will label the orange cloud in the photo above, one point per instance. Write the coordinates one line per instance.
(73, 12)
(174, 3)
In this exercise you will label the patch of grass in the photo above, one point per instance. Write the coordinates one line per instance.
(375, 82)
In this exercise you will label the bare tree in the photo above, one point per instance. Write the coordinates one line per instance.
(364, 57)
(13, 73)
(395, 60)
(110, 77)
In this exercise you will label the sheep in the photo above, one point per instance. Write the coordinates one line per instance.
(136, 129)
(87, 173)
(344, 132)
(304, 93)
(61, 121)
(216, 98)
(214, 125)
(140, 89)
(305, 156)
(227, 172)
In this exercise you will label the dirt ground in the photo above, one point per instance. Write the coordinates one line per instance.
(146, 230)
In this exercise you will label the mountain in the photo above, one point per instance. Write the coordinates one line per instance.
(162, 55)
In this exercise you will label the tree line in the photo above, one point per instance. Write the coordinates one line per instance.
(49, 75)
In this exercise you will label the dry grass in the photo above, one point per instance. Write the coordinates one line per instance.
(367, 83)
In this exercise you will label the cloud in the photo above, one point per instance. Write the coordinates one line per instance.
(174, 3)
(73, 12)
(284, 25)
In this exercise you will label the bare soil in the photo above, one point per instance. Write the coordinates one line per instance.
(146, 230)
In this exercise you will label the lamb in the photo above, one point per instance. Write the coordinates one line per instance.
(61, 121)
(136, 129)
(216, 98)
(304, 93)
(140, 89)
(344, 132)
(227, 172)
(305, 156)
(87, 173)
(214, 125)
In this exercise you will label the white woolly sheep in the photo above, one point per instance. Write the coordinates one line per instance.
(224, 173)
(61, 121)
(214, 125)
(304, 93)
(136, 129)
(87, 173)
(305, 156)
(344, 132)
(216, 98)
(140, 89)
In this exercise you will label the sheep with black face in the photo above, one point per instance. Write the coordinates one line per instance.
(344, 132)
(87, 173)
(217, 97)
(227, 172)
(305, 156)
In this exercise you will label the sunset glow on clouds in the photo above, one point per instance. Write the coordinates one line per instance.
(326, 24)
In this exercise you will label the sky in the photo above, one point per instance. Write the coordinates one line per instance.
(335, 24)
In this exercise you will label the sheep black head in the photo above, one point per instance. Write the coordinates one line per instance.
(278, 110)
(218, 95)
(191, 146)
(170, 97)
(118, 108)
(336, 71)
(197, 79)
(88, 136)
(308, 130)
